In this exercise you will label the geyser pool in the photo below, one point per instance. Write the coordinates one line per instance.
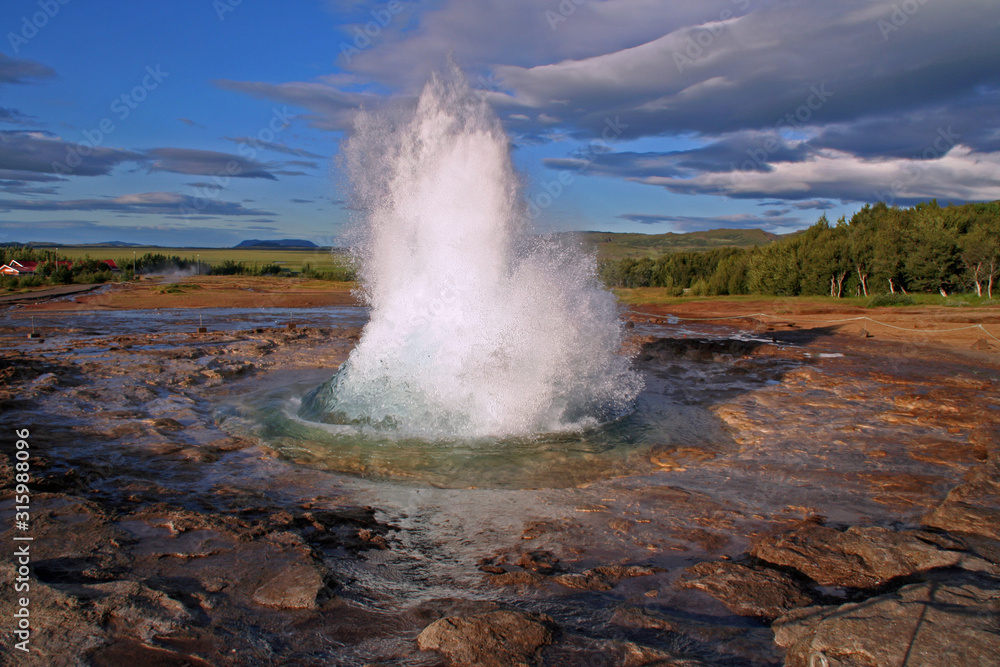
(479, 326)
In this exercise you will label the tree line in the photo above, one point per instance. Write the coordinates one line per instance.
(880, 250)
(53, 269)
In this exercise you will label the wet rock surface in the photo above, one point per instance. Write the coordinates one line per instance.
(747, 590)
(929, 623)
(493, 639)
(161, 538)
(860, 556)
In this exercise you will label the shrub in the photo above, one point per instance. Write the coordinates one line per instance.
(271, 269)
(890, 299)
(229, 268)
(339, 273)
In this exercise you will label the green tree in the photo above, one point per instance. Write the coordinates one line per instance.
(931, 262)
(773, 269)
(889, 247)
(861, 237)
(980, 253)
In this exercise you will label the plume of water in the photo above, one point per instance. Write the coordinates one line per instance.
(479, 326)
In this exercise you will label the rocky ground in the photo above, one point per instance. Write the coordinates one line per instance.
(850, 516)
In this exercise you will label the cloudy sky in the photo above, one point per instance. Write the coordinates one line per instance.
(205, 122)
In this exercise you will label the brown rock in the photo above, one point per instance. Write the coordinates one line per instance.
(516, 578)
(973, 507)
(679, 458)
(543, 562)
(860, 557)
(492, 639)
(926, 624)
(603, 578)
(748, 591)
(295, 586)
(707, 540)
(751, 643)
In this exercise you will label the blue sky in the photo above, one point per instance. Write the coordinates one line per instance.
(206, 122)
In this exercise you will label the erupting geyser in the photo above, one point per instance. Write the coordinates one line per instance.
(479, 326)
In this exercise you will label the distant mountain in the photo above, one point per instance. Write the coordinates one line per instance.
(282, 243)
(617, 245)
(103, 244)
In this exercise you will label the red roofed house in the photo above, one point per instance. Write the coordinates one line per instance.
(16, 268)
(26, 268)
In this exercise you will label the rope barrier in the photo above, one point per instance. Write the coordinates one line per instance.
(838, 321)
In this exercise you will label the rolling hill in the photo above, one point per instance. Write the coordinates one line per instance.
(281, 243)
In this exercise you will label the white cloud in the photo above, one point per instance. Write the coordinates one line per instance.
(960, 175)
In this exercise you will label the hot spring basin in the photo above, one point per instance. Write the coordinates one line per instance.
(545, 460)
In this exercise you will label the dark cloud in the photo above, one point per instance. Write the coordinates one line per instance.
(13, 116)
(794, 62)
(817, 204)
(13, 71)
(44, 153)
(16, 175)
(23, 188)
(191, 123)
(742, 150)
(332, 108)
(924, 133)
(302, 201)
(140, 203)
(646, 219)
(275, 146)
(206, 163)
(479, 33)
(300, 163)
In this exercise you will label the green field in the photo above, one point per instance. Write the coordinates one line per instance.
(613, 245)
(291, 259)
(608, 245)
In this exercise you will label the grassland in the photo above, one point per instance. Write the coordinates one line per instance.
(608, 245)
(611, 245)
(291, 259)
